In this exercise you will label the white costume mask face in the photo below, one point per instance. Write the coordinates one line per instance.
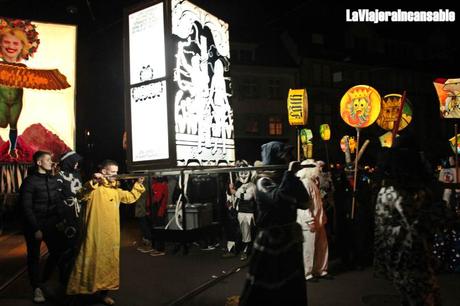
(244, 176)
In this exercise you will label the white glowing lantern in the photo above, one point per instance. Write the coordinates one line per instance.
(177, 101)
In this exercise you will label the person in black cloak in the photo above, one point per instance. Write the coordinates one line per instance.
(69, 183)
(276, 272)
(404, 221)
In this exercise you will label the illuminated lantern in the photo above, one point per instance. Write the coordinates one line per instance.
(360, 106)
(37, 90)
(452, 143)
(306, 136)
(325, 132)
(386, 140)
(177, 93)
(448, 91)
(297, 106)
(389, 112)
(351, 143)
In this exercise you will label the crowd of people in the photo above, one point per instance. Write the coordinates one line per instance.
(289, 223)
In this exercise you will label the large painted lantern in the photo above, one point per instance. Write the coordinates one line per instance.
(178, 89)
(391, 106)
(448, 91)
(360, 106)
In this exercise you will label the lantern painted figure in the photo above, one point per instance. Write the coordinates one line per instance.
(391, 105)
(448, 91)
(306, 136)
(360, 106)
(18, 42)
(325, 132)
(244, 192)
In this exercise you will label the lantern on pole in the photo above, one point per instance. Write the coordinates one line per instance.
(297, 108)
(359, 108)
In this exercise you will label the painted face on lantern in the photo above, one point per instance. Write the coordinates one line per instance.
(359, 106)
(10, 47)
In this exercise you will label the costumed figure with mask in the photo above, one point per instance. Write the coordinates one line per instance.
(313, 220)
(69, 184)
(244, 194)
(276, 272)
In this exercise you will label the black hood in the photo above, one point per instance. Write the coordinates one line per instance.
(275, 153)
(69, 160)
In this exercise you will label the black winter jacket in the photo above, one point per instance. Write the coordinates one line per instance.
(39, 198)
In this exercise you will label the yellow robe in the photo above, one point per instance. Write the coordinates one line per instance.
(98, 263)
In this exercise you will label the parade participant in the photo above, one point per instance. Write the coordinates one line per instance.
(276, 272)
(69, 184)
(18, 41)
(244, 192)
(313, 220)
(327, 190)
(40, 200)
(402, 227)
(98, 262)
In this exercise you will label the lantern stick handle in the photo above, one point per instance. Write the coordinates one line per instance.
(456, 152)
(398, 119)
(355, 176)
(298, 144)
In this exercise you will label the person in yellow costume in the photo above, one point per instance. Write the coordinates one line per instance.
(97, 266)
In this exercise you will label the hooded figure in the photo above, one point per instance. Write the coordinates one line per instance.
(402, 225)
(69, 182)
(313, 220)
(276, 272)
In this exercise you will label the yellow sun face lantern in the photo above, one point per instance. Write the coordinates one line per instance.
(360, 106)
(325, 132)
(391, 105)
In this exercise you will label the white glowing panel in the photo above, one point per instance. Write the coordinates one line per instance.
(148, 98)
(146, 44)
(203, 115)
(149, 122)
(47, 117)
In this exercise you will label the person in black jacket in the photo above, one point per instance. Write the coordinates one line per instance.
(276, 271)
(40, 201)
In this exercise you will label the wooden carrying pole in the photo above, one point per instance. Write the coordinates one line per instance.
(398, 119)
(355, 175)
(456, 152)
(298, 144)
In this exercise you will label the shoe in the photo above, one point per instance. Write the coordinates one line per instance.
(157, 253)
(244, 257)
(145, 249)
(38, 296)
(326, 275)
(106, 300)
(308, 277)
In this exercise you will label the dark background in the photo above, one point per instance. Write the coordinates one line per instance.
(100, 77)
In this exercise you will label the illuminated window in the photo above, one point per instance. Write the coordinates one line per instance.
(275, 126)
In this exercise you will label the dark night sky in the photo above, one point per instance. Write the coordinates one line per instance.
(100, 57)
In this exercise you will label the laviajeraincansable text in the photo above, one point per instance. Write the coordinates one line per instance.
(376, 16)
